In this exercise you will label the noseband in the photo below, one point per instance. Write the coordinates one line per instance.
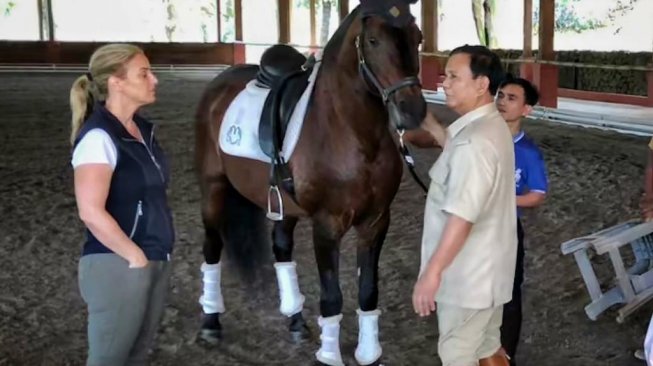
(370, 78)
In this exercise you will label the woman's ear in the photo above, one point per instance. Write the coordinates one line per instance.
(113, 83)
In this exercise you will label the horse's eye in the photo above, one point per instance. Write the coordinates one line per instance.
(372, 41)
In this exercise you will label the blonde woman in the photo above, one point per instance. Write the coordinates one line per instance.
(121, 176)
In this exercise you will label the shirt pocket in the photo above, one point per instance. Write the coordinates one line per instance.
(439, 174)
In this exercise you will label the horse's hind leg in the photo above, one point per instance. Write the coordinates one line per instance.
(371, 234)
(291, 299)
(212, 302)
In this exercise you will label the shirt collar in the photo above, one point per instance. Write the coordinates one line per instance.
(470, 117)
(518, 137)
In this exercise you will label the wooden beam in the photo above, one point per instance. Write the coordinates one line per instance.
(238, 19)
(284, 11)
(528, 28)
(343, 9)
(547, 18)
(430, 25)
(430, 65)
(39, 8)
(218, 20)
(526, 68)
(313, 23)
(46, 52)
(546, 76)
(50, 21)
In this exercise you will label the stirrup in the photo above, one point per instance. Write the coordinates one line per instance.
(271, 215)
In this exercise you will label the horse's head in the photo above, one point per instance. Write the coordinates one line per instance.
(387, 45)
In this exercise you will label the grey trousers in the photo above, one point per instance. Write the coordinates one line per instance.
(125, 306)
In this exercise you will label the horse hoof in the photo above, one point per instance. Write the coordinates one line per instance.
(299, 330)
(300, 336)
(211, 336)
(375, 363)
(211, 331)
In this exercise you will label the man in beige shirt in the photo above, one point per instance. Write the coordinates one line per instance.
(469, 244)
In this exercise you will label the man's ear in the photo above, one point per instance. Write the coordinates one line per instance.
(528, 109)
(484, 85)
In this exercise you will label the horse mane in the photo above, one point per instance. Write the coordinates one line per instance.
(335, 42)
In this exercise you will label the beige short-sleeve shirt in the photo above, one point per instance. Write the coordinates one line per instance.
(474, 179)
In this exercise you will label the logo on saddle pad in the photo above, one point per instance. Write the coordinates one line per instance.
(234, 135)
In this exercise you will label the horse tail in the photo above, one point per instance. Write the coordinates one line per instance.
(245, 235)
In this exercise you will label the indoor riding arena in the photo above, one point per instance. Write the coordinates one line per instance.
(595, 169)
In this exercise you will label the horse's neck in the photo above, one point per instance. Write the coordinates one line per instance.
(342, 94)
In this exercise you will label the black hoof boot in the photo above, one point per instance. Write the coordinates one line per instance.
(211, 331)
(299, 330)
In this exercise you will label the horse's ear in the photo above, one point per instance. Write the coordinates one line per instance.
(395, 12)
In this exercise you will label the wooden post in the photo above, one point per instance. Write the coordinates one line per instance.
(343, 9)
(284, 8)
(239, 56)
(313, 23)
(649, 80)
(39, 8)
(526, 68)
(218, 20)
(238, 15)
(546, 76)
(430, 66)
(47, 31)
(50, 21)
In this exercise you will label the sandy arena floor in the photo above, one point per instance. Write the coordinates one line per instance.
(595, 178)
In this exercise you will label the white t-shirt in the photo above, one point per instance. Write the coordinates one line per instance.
(96, 147)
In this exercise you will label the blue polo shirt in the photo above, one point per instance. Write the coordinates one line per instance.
(530, 171)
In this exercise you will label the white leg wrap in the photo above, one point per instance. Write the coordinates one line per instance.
(292, 300)
(329, 352)
(369, 348)
(211, 299)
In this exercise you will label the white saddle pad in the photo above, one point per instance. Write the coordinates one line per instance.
(239, 130)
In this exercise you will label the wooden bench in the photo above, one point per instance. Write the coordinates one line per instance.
(633, 287)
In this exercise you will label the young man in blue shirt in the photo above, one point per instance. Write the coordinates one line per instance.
(515, 100)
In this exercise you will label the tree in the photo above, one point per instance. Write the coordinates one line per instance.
(326, 21)
(171, 20)
(325, 6)
(484, 12)
(208, 13)
(568, 18)
(7, 6)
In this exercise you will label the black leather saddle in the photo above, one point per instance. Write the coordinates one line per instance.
(285, 72)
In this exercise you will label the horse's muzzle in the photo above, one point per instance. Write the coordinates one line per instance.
(407, 108)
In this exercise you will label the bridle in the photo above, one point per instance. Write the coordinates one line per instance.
(373, 83)
(370, 78)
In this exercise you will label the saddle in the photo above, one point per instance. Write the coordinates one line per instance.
(285, 72)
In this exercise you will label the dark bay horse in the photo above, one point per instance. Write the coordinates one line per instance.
(346, 171)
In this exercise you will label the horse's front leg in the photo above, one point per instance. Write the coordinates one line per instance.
(291, 298)
(326, 241)
(371, 234)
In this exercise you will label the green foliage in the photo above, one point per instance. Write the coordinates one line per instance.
(7, 6)
(568, 18)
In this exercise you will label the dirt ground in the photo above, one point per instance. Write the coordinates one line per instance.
(595, 180)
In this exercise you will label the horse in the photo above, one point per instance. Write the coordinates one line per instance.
(346, 170)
